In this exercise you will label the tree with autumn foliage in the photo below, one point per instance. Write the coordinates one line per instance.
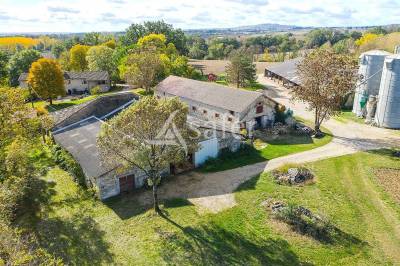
(140, 137)
(46, 79)
(78, 55)
(143, 69)
(325, 78)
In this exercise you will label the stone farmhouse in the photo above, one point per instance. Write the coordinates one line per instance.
(78, 82)
(217, 112)
(221, 107)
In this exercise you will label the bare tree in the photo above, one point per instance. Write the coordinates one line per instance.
(326, 78)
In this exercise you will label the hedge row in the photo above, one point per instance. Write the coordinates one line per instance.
(68, 163)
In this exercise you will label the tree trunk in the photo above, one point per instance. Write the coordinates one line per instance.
(155, 196)
(317, 124)
(51, 101)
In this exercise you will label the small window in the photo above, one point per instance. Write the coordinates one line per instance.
(232, 112)
(205, 112)
(216, 115)
(194, 108)
(259, 109)
(230, 119)
(101, 82)
(84, 82)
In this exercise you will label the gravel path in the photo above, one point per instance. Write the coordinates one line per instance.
(213, 192)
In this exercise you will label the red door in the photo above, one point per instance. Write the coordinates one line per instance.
(126, 183)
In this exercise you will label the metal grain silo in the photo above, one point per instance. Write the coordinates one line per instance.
(388, 109)
(371, 64)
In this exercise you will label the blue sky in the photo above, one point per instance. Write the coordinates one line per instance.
(117, 15)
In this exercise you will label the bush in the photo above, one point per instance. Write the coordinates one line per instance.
(67, 163)
(305, 222)
(95, 90)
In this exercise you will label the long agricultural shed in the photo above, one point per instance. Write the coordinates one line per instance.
(286, 72)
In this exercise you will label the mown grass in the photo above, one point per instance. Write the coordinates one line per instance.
(347, 115)
(275, 147)
(84, 231)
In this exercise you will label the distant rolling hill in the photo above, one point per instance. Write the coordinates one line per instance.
(245, 30)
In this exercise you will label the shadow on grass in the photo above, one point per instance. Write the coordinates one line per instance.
(77, 240)
(59, 106)
(176, 203)
(126, 206)
(385, 152)
(211, 244)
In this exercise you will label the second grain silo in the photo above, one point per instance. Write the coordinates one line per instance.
(388, 110)
(371, 64)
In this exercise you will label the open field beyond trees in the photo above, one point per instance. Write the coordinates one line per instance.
(217, 67)
(84, 231)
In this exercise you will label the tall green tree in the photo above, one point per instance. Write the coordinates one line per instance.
(135, 138)
(58, 49)
(100, 58)
(241, 70)
(326, 78)
(137, 31)
(20, 63)
(92, 38)
(46, 79)
(3, 67)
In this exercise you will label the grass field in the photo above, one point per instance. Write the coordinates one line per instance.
(87, 232)
(217, 67)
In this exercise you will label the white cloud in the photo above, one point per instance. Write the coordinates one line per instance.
(107, 15)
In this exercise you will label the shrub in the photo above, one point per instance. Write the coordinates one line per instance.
(67, 163)
(95, 90)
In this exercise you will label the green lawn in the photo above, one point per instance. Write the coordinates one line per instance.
(275, 147)
(87, 232)
(348, 115)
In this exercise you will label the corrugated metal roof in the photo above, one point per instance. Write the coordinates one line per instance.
(80, 141)
(287, 70)
(209, 93)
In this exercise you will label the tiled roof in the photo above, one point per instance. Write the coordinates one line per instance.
(209, 93)
(87, 75)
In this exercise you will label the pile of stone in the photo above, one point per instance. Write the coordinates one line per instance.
(280, 129)
(294, 176)
(276, 206)
(303, 129)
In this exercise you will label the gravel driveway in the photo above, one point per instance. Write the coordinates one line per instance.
(213, 192)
